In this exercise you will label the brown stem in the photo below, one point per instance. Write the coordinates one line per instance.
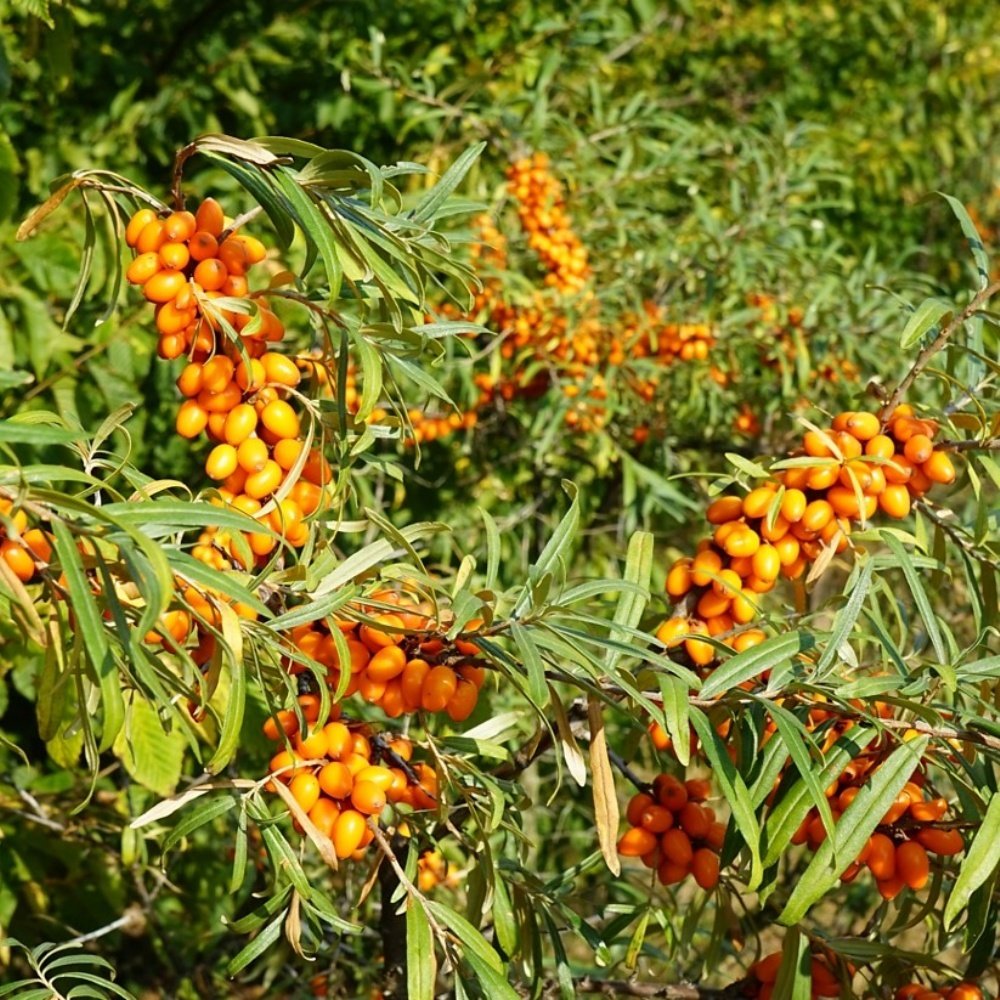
(990, 444)
(978, 300)
(633, 988)
(183, 155)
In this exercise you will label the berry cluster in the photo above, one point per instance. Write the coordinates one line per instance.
(897, 853)
(331, 774)
(28, 550)
(542, 212)
(400, 660)
(673, 832)
(764, 974)
(843, 475)
(237, 390)
(433, 869)
(917, 991)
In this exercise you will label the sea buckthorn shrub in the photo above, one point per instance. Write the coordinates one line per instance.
(656, 765)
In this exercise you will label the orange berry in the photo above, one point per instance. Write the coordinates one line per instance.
(656, 819)
(679, 579)
(637, 805)
(705, 567)
(463, 702)
(137, 224)
(151, 237)
(348, 832)
(163, 287)
(252, 454)
(895, 500)
(694, 821)
(676, 846)
(323, 816)
(280, 419)
(260, 484)
(724, 509)
(939, 468)
(918, 448)
(209, 217)
(280, 369)
(863, 426)
(378, 638)
(367, 797)
(912, 864)
(705, 868)
(221, 462)
(635, 842)
(438, 688)
(881, 858)
(943, 842)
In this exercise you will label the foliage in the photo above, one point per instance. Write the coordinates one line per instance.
(574, 281)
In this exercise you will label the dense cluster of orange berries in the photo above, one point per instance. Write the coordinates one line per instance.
(542, 213)
(842, 476)
(237, 389)
(330, 772)
(897, 853)
(824, 980)
(673, 832)
(399, 661)
(917, 991)
(433, 869)
(29, 550)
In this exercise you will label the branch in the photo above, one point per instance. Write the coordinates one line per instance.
(990, 444)
(978, 300)
(634, 988)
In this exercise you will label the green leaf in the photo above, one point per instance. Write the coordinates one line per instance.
(846, 619)
(267, 937)
(95, 638)
(928, 314)
(794, 980)
(428, 206)
(979, 864)
(755, 660)
(314, 227)
(538, 689)
(855, 826)
(975, 241)
(421, 962)
(632, 601)
(557, 546)
(919, 594)
(23, 431)
(734, 791)
(152, 756)
(203, 814)
(676, 696)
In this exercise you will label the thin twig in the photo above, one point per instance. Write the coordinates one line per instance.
(978, 300)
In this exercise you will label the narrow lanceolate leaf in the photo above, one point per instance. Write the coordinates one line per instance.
(232, 719)
(556, 547)
(421, 964)
(538, 689)
(205, 813)
(846, 619)
(927, 315)
(919, 594)
(632, 602)
(95, 638)
(979, 255)
(675, 715)
(854, 827)
(979, 863)
(428, 206)
(734, 790)
(754, 661)
(261, 943)
(794, 980)
(606, 814)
